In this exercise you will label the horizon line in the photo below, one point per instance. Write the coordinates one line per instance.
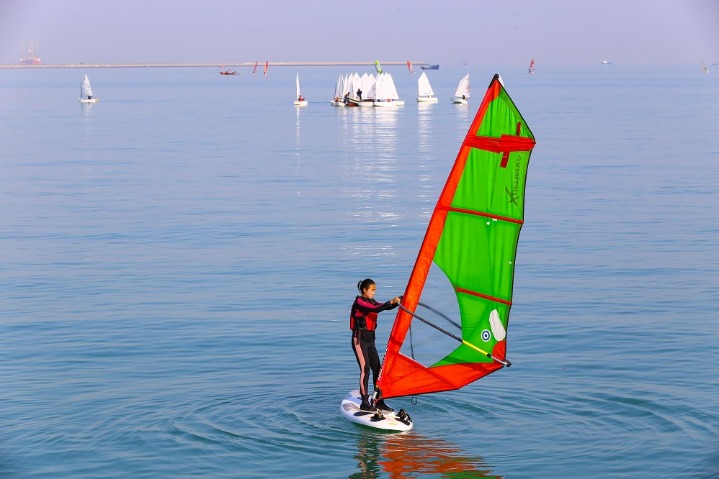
(217, 65)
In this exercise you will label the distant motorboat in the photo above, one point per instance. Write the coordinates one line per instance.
(228, 72)
(86, 92)
(429, 67)
(606, 62)
(461, 95)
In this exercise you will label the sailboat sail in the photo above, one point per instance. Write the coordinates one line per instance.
(85, 89)
(423, 86)
(463, 87)
(254, 69)
(471, 241)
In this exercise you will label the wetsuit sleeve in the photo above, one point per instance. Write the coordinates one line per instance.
(371, 306)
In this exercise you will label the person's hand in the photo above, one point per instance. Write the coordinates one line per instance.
(396, 300)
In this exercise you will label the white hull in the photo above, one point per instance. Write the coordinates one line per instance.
(427, 99)
(337, 103)
(390, 422)
(389, 104)
(301, 103)
(88, 100)
(459, 100)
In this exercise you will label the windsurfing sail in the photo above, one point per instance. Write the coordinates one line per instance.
(377, 66)
(267, 65)
(531, 67)
(410, 67)
(704, 67)
(471, 242)
(254, 70)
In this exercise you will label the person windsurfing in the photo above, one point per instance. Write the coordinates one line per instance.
(363, 323)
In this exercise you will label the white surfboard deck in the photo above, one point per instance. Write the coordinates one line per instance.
(389, 422)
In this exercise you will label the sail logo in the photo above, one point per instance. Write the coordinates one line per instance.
(486, 335)
(513, 194)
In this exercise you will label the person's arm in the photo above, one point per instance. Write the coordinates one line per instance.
(367, 306)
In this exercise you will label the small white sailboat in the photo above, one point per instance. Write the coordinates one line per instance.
(340, 91)
(299, 100)
(386, 92)
(86, 92)
(462, 94)
(426, 94)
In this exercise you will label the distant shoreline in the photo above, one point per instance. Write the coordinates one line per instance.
(205, 65)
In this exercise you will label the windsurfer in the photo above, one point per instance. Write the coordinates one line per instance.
(363, 323)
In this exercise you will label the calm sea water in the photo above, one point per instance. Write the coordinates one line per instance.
(177, 264)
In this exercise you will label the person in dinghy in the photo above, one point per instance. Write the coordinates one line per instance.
(363, 323)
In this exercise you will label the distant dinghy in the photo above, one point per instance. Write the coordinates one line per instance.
(462, 94)
(299, 100)
(86, 92)
(425, 92)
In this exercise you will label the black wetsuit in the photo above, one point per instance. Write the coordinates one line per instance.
(363, 322)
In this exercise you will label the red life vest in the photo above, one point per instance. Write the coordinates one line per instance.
(362, 319)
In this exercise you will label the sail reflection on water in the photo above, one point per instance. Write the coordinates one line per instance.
(398, 456)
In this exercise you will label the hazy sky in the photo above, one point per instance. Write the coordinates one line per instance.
(501, 32)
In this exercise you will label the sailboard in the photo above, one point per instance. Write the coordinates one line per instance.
(385, 420)
(470, 245)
